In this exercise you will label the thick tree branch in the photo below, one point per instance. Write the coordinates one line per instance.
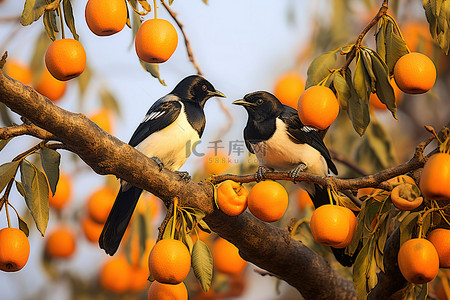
(267, 246)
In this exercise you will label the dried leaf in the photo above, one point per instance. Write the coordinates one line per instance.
(153, 69)
(320, 68)
(32, 11)
(68, 17)
(36, 194)
(202, 264)
(7, 172)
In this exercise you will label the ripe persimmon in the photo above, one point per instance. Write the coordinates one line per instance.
(318, 107)
(232, 197)
(91, 229)
(106, 17)
(330, 225)
(376, 102)
(103, 118)
(418, 260)
(100, 202)
(226, 257)
(18, 70)
(440, 238)
(414, 73)
(65, 59)
(49, 86)
(435, 178)
(303, 200)
(156, 41)
(14, 249)
(162, 291)
(288, 88)
(169, 261)
(215, 162)
(63, 192)
(268, 201)
(115, 274)
(352, 221)
(60, 243)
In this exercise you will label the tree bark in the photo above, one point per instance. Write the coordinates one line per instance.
(268, 247)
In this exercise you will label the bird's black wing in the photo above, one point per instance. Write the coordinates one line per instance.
(162, 113)
(304, 134)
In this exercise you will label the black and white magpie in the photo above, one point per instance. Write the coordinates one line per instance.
(275, 134)
(168, 134)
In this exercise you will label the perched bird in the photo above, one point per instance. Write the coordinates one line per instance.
(275, 134)
(168, 134)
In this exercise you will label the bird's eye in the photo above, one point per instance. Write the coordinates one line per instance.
(259, 101)
(204, 88)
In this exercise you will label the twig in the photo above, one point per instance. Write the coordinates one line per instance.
(162, 228)
(25, 129)
(352, 54)
(186, 41)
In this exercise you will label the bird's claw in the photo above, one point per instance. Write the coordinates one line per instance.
(296, 171)
(159, 162)
(261, 173)
(184, 175)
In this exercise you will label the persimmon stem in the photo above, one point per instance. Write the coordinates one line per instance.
(7, 214)
(174, 223)
(381, 12)
(62, 22)
(154, 4)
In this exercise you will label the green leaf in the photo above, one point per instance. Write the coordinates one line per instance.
(381, 144)
(380, 38)
(36, 194)
(50, 24)
(3, 143)
(320, 68)
(361, 79)
(153, 69)
(372, 278)
(202, 264)
(358, 111)
(420, 291)
(342, 89)
(50, 160)
(384, 90)
(109, 101)
(407, 227)
(23, 225)
(7, 172)
(395, 47)
(68, 17)
(203, 226)
(168, 229)
(20, 188)
(5, 114)
(367, 60)
(40, 47)
(32, 11)
(359, 271)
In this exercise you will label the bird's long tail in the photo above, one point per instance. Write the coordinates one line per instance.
(118, 219)
(319, 198)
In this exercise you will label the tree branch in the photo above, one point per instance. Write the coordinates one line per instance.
(265, 245)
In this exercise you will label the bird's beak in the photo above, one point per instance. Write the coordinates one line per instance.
(216, 94)
(243, 103)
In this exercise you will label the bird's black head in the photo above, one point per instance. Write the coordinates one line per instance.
(261, 105)
(197, 89)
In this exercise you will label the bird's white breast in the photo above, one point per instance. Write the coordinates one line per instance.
(172, 144)
(280, 153)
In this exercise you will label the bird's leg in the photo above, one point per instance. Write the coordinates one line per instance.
(297, 170)
(184, 175)
(261, 173)
(159, 162)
